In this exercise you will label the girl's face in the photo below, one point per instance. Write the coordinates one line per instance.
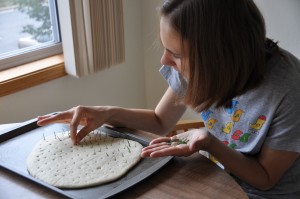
(173, 54)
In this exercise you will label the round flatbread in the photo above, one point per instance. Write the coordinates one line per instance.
(97, 159)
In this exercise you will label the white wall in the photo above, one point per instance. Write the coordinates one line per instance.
(155, 85)
(136, 83)
(121, 85)
(283, 22)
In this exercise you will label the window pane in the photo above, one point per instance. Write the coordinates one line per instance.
(27, 26)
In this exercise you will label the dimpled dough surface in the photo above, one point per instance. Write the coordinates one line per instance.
(97, 159)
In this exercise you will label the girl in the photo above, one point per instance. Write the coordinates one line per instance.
(218, 61)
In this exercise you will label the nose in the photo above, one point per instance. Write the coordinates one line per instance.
(166, 59)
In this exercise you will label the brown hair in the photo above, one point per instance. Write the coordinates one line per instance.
(226, 48)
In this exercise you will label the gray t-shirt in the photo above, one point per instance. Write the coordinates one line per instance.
(268, 115)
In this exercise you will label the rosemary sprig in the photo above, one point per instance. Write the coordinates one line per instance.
(56, 136)
(128, 149)
(178, 141)
(128, 143)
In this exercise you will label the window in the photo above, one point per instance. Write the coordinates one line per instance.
(91, 30)
(28, 31)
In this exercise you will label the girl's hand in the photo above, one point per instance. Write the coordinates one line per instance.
(90, 117)
(184, 144)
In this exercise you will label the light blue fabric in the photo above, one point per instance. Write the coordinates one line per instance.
(268, 115)
(175, 80)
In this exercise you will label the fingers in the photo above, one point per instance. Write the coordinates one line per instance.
(162, 139)
(150, 149)
(43, 117)
(72, 116)
(80, 118)
(74, 125)
(159, 140)
(82, 133)
(62, 117)
(167, 146)
(164, 146)
(76, 116)
(44, 120)
(164, 149)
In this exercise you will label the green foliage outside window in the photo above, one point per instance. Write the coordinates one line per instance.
(39, 11)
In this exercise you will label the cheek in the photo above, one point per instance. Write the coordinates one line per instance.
(187, 75)
(186, 70)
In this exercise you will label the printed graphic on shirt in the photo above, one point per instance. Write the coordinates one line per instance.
(236, 135)
(228, 127)
(259, 123)
(232, 145)
(234, 132)
(245, 137)
(210, 123)
(237, 115)
(205, 115)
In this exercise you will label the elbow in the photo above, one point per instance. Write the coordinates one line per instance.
(161, 127)
(267, 185)
(163, 131)
(266, 180)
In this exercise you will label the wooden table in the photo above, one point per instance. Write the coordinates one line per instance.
(183, 177)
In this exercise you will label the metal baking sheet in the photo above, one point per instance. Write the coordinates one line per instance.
(16, 145)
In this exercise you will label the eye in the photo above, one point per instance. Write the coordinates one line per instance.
(176, 56)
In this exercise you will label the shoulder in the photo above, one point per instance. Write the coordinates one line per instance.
(282, 86)
(282, 77)
(283, 67)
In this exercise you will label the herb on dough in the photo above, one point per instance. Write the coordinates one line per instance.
(128, 149)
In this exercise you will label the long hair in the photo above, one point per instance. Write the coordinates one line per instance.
(226, 48)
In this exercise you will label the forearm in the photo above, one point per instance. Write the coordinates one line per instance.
(245, 167)
(159, 121)
(142, 119)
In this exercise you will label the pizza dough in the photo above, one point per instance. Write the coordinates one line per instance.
(97, 159)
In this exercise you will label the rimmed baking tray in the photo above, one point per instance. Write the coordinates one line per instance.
(16, 144)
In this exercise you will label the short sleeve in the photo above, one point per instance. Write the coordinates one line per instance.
(284, 132)
(174, 79)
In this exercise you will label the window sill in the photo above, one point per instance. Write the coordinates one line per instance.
(31, 74)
